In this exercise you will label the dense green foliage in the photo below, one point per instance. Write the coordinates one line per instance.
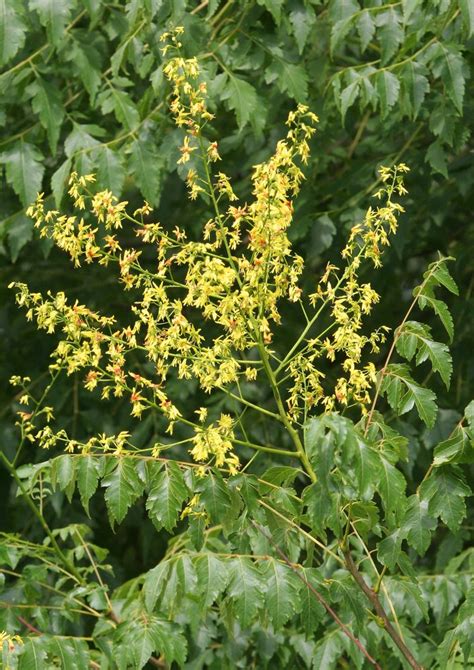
(245, 579)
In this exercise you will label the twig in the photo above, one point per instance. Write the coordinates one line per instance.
(319, 597)
(377, 605)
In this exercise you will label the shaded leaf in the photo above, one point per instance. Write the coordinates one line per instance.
(166, 496)
(12, 31)
(24, 170)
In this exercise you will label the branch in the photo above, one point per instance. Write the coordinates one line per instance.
(319, 597)
(377, 605)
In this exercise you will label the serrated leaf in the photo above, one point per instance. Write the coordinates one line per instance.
(328, 651)
(63, 471)
(436, 157)
(215, 497)
(245, 589)
(212, 575)
(415, 85)
(24, 170)
(367, 466)
(452, 75)
(88, 473)
(53, 16)
(291, 79)
(123, 487)
(312, 610)
(86, 60)
(388, 549)
(70, 654)
(388, 89)
(391, 486)
(281, 592)
(467, 10)
(418, 524)
(111, 173)
(167, 495)
(20, 232)
(32, 655)
(366, 29)
(339, 31)
(274, 7)
(390, 34)
(154, 583)
(147, 166)
(59, 179)
(348, 97)
(302, 19)
(12, 31)
(445, 491)
(415, 338)
(441, 309)
(125, 110)
(144, 637)
(242, 98)
(403, 393)
(48, 105)
(457, 448)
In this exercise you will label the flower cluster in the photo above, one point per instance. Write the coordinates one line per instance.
(234, 278)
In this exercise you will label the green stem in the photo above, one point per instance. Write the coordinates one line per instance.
(71, 568)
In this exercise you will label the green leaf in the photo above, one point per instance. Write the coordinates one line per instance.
(33, 655)
(20, 232)
(125, 109)
(312, 611)
(339, 31)
(70, 654)
(215, 497)
(53, 15)
(166, 497)
(302, 19)
(111, 173)
(154, 583)
(388, 89)
(24, 170)
(441, 309)
(391, 486)
(366, 29)
(403, 393)
(147, 165)
(88, 473)
(418, 524)
(458, 448)
(281, 592)
(123, 488)
(48, 105)
(144, 637)
(212, 575)
(290, 78)
(87, 61)
(242, 98)
(12, 31)
(63, 472)
(436, 157)
(367, 466)
(449, 68)
(328, 651)
(59, 180)
(274, 7)
(245, 589)
(348, 97)
(445, 491)
(467, 10)
(415, 338)
(388, 549)
(390, 35)
(415, 86)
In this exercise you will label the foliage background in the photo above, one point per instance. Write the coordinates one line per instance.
(82, 88)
